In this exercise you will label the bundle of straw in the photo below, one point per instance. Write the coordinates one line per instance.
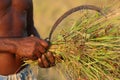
(90, 48)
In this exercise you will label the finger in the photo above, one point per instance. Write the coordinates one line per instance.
(40, 63)
(41, 49)
(45, 61)
(32, 57)
(37, 53)
(44, 43)
(51, 58)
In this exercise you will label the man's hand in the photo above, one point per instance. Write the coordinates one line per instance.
(35, 49)
(30, 47)
(46, 60)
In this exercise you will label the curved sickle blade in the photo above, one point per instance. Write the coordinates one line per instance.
(66, 14)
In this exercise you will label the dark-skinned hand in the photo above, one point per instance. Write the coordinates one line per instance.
(35, 49)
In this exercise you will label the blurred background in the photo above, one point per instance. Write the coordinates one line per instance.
(46, 12)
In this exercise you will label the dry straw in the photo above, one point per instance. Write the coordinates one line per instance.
(90, 48)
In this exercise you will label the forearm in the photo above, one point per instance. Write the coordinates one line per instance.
(7, 45)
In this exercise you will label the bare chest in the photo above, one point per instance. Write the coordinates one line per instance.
(15, 4)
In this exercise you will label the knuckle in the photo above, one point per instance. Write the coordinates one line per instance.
(41, 49)
(44, 43)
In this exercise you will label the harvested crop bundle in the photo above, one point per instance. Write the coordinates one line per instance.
(90, 48)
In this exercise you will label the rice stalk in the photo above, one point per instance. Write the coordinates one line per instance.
(90, 50)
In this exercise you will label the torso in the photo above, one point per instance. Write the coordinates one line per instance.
(13, 15)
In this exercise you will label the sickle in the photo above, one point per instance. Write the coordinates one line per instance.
(66, 14)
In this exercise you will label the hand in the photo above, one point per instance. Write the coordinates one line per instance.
(35, 49)
(47, 60)
(31, 47)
